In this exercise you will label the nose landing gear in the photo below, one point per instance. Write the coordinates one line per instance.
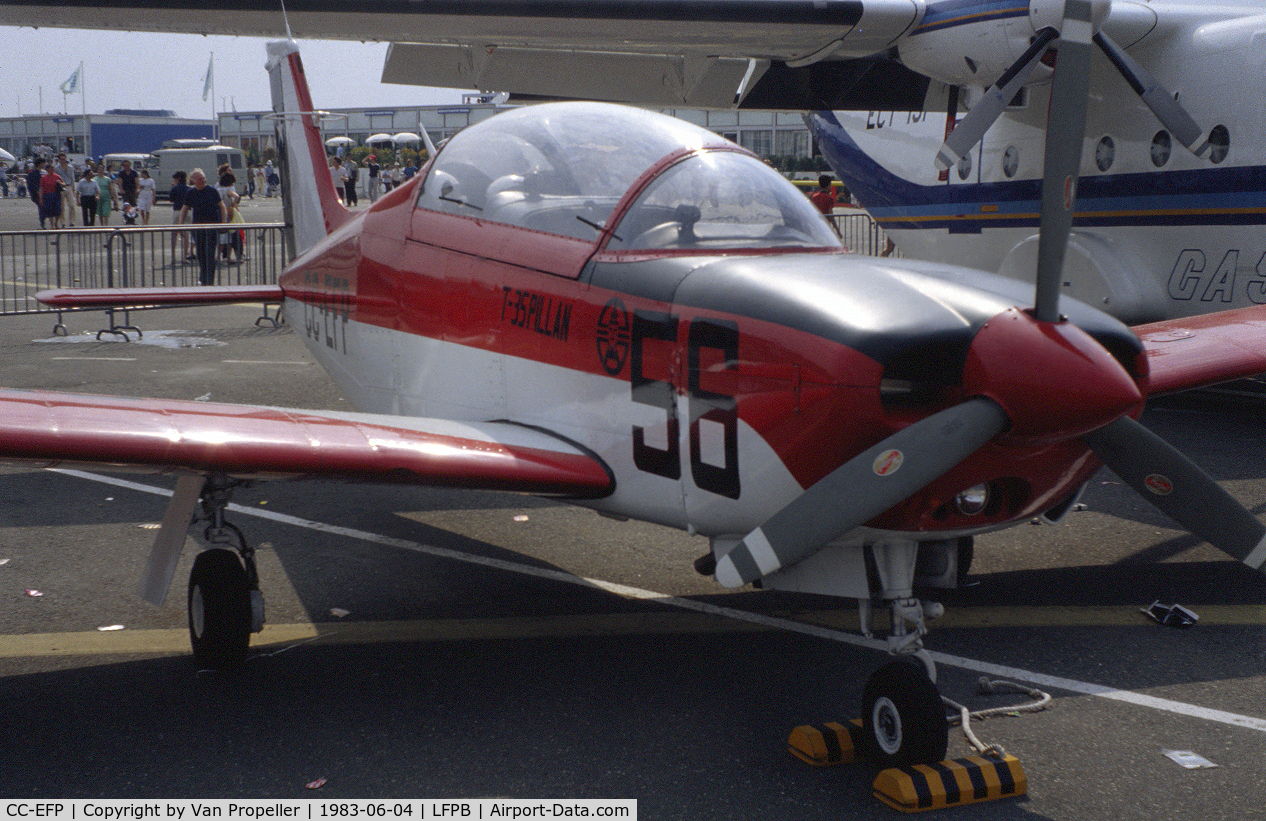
(903, 716)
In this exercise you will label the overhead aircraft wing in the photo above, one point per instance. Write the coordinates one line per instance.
(1204, 350)
(791, 54)
(51, 429)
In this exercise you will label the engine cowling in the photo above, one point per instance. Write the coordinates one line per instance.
(974, 50)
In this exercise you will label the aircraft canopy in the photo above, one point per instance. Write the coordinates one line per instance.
(564, 168)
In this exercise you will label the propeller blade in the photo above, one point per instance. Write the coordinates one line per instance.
(1173, 483)
(862, 488)
(1171, 115)
(989, 108)
(1065, 130)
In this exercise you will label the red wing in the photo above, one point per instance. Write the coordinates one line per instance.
(134, 297)
(1204, 350)
(158, 436)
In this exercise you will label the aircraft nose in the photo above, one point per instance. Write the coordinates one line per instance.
(1053, 379)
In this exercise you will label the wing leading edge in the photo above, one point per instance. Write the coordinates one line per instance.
(50, 429)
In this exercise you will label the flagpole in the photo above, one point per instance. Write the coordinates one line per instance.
(215, 120)
(83, 101)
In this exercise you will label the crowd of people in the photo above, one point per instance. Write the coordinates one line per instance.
(61, 192)
(66, 193)
(379, 178)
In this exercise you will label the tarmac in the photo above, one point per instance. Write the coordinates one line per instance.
(442, 643)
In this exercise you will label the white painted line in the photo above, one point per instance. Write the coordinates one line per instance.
(94, 358)
(828, 633)
(261, 362)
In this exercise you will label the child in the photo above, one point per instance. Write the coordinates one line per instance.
(129, 213)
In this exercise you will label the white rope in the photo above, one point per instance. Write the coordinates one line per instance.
(988, 687)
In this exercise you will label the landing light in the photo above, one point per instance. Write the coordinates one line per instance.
(973, 500)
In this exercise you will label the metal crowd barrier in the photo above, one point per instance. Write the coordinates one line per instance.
(124, 257)
(861, 234)
(156, 256)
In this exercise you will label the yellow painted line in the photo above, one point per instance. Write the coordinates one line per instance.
(989, 213)
(278, 636)
(1235, 615)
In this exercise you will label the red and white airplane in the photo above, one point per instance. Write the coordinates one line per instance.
(619, 308)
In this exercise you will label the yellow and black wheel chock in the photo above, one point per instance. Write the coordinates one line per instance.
(951, 783)
(830, 744)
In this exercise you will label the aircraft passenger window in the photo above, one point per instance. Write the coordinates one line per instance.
(1105, 153)
(1010, 161)
(1219, 143)
(720, 200)
(1161, 146)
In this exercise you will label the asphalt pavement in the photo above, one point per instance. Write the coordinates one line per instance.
(426, 643)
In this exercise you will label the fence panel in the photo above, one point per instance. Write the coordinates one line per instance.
(861, 234)
(157, 256)
(124, 257)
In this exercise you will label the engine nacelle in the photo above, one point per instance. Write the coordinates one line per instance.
(976, 51)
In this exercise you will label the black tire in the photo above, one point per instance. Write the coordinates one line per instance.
(903, 715)
(219, 610)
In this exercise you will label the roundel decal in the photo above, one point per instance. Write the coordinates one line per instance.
(615, 332)
(1158, 484)
(888, 462)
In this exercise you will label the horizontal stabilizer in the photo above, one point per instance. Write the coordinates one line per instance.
(67, 298)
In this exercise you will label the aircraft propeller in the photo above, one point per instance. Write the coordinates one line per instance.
(998, 96)
(1077, 374)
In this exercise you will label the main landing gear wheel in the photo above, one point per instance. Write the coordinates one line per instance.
(904, 718)
(219, 609)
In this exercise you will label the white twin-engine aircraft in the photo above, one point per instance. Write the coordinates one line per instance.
(650, 321)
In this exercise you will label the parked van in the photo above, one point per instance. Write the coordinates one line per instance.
(115, 161)
(167, 161)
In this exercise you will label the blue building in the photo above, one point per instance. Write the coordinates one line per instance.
(116, 131)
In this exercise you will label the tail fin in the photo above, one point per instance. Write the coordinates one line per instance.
(308, 198)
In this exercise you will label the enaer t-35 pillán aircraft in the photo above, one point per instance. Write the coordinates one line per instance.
(651, 322)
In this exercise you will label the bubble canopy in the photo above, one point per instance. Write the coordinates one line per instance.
(565, 168)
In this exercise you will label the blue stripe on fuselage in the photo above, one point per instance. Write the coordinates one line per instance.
(1207, 196)
(953, 13)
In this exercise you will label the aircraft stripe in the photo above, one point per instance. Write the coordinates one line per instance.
(955, 13)
(762, 552)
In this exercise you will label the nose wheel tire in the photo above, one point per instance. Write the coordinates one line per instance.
(904, 717)
(219, 609)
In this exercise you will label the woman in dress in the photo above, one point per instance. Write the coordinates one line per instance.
(146, 189)
(108, 195)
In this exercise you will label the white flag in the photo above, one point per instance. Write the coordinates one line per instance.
(206, 81)
(72, 83)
